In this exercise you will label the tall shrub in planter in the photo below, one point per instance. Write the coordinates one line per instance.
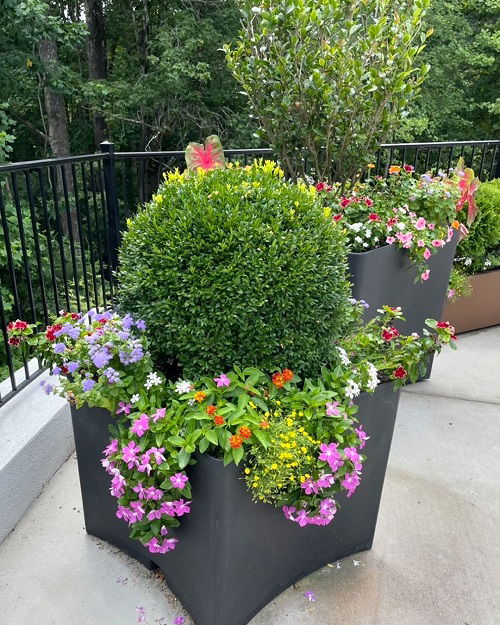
(240, 267)
(328, 80)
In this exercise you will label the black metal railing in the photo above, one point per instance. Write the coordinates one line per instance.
(61, 220)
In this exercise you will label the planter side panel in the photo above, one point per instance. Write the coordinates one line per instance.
(234, 556)
(481, 309)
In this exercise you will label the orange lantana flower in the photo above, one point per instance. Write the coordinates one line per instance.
(245, 432)
(287, 375)
(235, 441)
(394, 169)
(200, 396)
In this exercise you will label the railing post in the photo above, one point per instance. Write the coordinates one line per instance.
(111, 201)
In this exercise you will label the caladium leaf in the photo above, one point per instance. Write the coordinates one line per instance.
(208, 156)
(468, 185)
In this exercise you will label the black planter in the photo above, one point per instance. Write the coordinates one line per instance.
(386, 277)
(234, 556)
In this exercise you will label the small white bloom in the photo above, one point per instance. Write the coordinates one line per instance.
(373, 380)
(401, 225)
(358, 239)
(191, 402)
(183, 386)
(153, 379)
(135, 398)
(368, 232)
(365, 244)
(468, 261)
(352, 389)
(356, 227)
(344, 358)
(487, 263)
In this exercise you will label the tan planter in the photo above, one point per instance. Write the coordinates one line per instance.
(481, 309)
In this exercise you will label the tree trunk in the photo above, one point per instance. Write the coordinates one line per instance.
(97, 60)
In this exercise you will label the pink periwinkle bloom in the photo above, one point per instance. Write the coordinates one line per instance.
(122, 512)
(179, 620)
(331, 408)
(351, 453)
(112, 448)
(438, 243)
(168, 508)
(144, 465)
(350, 482)
(289, 511)
(138, 509)
(154, 545)
(331, 455)
(420, 223)
(179, 480)
(427, 253)
(163, 531)
(310, 487)
(420, 243)
(140, 490)
(153, 493)
(109, 466)
(182, 507)
(124, 408)
(362, 437)
(140, 425)
(405, 238)
(158, 454)
(328, 508)
(390, 240)
(431, 226)
(222, 380)
(159, 414)
(325, 481)
(154, 514)
(118, 484)
(451, 293)
(129, 454)
(425, 275)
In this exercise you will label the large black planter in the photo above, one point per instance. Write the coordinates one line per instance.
(234, 556)
(385, 276)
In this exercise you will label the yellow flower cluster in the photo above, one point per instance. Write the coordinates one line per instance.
(288, 461)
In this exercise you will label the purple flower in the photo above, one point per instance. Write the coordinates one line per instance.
(182, 507)
(59, 348)
(350, 482)
(331, 408)
(325, 481)
(129, 454)
(140, 425)
(123, 335)
(331, 455)
(310, 596)
(351, 454)
(140, 325)
(288, 512)
(362, 436)
(138, 509)
(158, 454)
(118, 484)
(112, 448)
(47, 387)
(168, 508)
(222, 380)
(179, 480)
(112, 375)
(145, 464)
(71, 330)
(88, 385)
(101, 358)
(125, 408)
(72, 366)
(179, 620)
(159, 414)
(310, 487)
(127, 322)
(56, 370)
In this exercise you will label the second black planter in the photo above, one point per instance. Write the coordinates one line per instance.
(233, 555)
(385, 276)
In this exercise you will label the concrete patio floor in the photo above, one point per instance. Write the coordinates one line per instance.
(435, 559)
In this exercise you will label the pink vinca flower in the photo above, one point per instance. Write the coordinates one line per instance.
(438, 243)
(331, 408)
(425, 275)
(351, 453)
(390, 240)
(159, 414)
(420, 243)
(362, 436)
(420, 223)
(129, 454)
(179, 480)
(125, 408)
(222, 380)
(427, 253)
(140, 425)
(331, 455)
(405, 238)
(350, 482)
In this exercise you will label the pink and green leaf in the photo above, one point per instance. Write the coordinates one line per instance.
(206, 157)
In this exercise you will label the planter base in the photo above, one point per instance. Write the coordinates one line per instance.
(481, 309)
(234, 556)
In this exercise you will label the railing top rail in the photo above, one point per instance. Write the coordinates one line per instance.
(48, 162)
(437, 144)
(180, 153)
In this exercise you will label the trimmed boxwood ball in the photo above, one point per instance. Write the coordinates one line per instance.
(235, 266)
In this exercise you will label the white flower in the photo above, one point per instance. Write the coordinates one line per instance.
(344, 358)
(401, 225)
(153, 379)
(368, 232)
(356, 227)
(191, 402)
(135, 398)
(183, 386)
(373, 381)
(487, 263)
(468, 261)
(358, 239)
(352, 389)
(365, 244)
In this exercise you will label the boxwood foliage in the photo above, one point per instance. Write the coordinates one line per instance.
(484, 233)
(235, 266)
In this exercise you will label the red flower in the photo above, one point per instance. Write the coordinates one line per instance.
(368, 202)
(373, 217)
(287, 375)
(408, 168)
(219, 420)
(264, 425)
(442, 324)
(235, 441)
(64, 370)
(75, 316)
(392, 221)
(17, 325)
(51, 331)
(400, 372)
(391, 333)
(345, 201)
(323, 186)
(14, 341)
(211, 410)
(245, 432)
(337, 217)
(278, 380)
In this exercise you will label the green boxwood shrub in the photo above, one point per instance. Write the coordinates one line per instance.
(235, 266)
(484, 233)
